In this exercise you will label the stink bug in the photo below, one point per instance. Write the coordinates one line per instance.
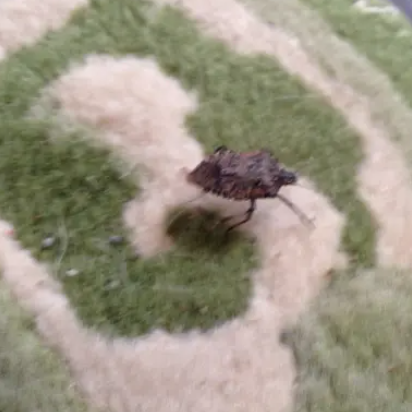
(244, 176)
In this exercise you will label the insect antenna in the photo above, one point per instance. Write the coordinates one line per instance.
(303, 218)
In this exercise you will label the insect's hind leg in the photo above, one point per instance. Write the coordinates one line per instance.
(248, 215)
(221, 148)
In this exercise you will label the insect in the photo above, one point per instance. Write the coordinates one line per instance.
(244, 176)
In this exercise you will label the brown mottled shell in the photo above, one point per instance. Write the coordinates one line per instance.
(239, 176)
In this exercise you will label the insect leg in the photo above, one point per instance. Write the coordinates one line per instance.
(248, 215)
(295, 209)
(221, 148)
(227, 218)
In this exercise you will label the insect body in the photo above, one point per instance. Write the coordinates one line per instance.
(243, 176)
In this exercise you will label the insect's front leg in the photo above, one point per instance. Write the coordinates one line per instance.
(248, 215)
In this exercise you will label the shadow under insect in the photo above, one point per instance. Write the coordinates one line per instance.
(197, 228)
